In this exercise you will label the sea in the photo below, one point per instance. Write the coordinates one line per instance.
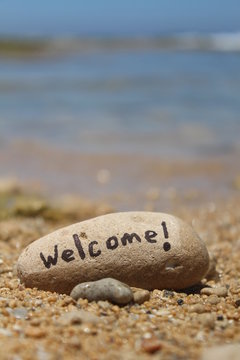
(173, 97)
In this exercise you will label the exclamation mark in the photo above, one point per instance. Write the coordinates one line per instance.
(166, 244)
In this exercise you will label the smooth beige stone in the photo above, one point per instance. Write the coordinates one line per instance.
(140, 296)
(197, 308)
(219, 291)
(143, 249)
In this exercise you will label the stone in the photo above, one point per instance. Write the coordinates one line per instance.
(219, 291)
(77, 317)
(180, 302)
(197, 308)
(140, 296)
(207, 320)
(104, 289)
(151, 345)
(142, 249)
(213, 300)
(34, 332)
(237, 303)
(104, 305)
(19, 313)
(168, 293)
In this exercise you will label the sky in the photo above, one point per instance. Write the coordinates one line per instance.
(138, 17)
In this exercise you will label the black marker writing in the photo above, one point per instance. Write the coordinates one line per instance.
(67, 255)
(112, 243)
(129, 238)
(50, 260)
(91, 250)
(79, 246)
(94, 248)
(165, 231)
(149, 235)
(166, 245)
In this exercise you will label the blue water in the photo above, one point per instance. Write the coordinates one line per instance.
(140, 102)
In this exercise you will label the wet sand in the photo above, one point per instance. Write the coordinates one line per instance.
(126, 181)
(171, 325)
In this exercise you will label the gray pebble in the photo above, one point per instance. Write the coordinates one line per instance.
(168, 293)
(104, 289)
(105, 305)
(140, 296)
(18, 313)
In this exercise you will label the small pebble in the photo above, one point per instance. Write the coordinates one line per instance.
(140, 296)
(213, 300)
(35, 321)
(207, 320)
(237, 303)
(168, 293)
(34, 332)
(219, 291)
(20, 313)
(151, 345)
(197, 308)
(104, 289)
(77, 317)
(180, 301)
(105, 305)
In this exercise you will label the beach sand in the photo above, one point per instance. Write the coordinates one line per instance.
(171, 325)
(126, 181)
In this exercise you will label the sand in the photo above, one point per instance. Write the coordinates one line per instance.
(126, 181)
(171, 325)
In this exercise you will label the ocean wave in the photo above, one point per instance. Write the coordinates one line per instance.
(177, 42)
(212, 42)
(209, 42)
(226, 41)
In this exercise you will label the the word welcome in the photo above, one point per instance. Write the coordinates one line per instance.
(94, 250)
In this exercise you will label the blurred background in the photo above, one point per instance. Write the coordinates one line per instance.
(136, 102)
